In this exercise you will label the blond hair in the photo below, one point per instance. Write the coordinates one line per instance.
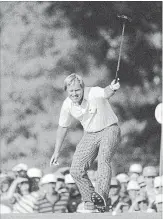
(72, 79)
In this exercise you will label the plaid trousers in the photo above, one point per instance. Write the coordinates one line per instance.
(102, 144)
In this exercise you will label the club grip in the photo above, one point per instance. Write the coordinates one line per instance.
(116, 80)
(116, 77)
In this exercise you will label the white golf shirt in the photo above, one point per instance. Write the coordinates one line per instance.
(94, 113)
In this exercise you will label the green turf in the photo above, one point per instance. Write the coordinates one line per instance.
(84, 216)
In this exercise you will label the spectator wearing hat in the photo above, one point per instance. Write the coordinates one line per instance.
(34, 175)
(114, 197)
(123, 179)
(149, 174)
(74, 194)
(157, 204)
(133, 191)
(46, 203)
(135, 171)
(20, 170)
(60, 181)
(61, 205)
(24, 187)
(137, 201)
(142, 185)
(27, 203)
(19, 187)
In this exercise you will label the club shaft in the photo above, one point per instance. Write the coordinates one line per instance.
(120, 51)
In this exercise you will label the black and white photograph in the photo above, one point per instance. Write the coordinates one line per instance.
(81, 110)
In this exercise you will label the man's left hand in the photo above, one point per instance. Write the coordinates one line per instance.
(115, 86)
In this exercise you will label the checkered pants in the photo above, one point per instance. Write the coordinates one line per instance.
(102, 144)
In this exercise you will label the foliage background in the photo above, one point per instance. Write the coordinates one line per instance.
(43, 42)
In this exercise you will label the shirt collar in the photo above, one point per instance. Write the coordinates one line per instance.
(85, 97)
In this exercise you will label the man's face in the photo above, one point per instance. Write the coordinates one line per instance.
(72, 187)
(114, 190)
(124, 187)
(49, 188)
(24, 188)
(134, 176)
(159, 190)
(34, 183)
(75, 92)
(22, 173)
(133, 194)
(149, 181)
(60, 185)
(142, 191)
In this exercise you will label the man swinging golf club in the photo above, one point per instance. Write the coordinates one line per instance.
(90, 105)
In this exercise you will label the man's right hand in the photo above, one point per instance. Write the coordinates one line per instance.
(54, 159)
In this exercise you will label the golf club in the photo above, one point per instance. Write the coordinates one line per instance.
(124, 19)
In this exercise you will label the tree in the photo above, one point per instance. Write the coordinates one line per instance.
(42, 42)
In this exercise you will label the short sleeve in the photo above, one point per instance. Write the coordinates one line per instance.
(96, 92)
(65, 116)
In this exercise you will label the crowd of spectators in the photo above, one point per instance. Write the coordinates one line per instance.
(28, 190)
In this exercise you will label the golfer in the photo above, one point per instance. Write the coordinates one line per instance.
(90, 105)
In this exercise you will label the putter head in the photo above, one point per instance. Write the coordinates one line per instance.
(124, 18)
